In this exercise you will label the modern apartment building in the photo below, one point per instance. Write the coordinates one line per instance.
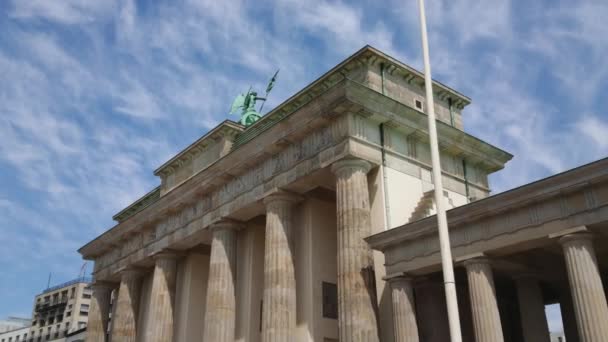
(60, 310)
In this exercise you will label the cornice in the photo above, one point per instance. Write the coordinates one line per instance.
(227, 129)
(138, 205)
(373, 56)
(369, 56)
(415, 123)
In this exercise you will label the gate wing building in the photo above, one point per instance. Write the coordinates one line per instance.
(265, 233)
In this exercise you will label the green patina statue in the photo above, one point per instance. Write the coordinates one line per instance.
(246, 104)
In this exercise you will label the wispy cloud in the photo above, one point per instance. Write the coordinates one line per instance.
(97, 94)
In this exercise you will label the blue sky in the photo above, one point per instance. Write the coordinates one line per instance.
(94, 95)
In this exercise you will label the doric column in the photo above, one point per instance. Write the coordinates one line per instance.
(220, 315)
(356, 294)
(279, 299)
(588, 294)
(124, 321)
(162, 298)
(484, 307)
(99, 312)
(404, 310)
(532, 309)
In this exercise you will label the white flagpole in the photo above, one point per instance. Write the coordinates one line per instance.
(442, 222)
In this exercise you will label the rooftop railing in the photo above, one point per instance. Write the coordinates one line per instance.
(68, 283)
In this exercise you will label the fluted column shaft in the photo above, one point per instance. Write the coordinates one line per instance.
(99, 312)
(279, 306)
(484, 307)
(162, 299)
(588, 294)
(124, 321)
(532, 310)
(220, 315)
(404, 310)
(357, 319)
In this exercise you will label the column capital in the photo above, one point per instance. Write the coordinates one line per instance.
(226, 224)
(102, 286)
(400, 279)
(576, 237)
(167, 254)
(281, 196)
(477, 261)
(131, 273)
(526, 276)
(346, 165)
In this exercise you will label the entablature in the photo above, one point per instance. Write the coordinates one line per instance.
(317, 133)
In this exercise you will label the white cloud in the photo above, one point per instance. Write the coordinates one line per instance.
(84, 119)
(64, 12)
(595, 129)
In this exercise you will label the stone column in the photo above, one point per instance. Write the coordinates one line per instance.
(484, 307)
(99, 312)
(220, 315)
(357, 319)
(124, 321)
(404, 310)
(532, 309)
(279, 299)
(162, 298)
(588, 294)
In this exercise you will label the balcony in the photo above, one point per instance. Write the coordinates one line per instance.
(53, 304)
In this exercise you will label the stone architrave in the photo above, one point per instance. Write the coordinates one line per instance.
(162, 298)
(279, 298)
(484, 307)
(404, 310)
(124, 321)
(532, 309)
(357, 319)
(589, 299)
(99, 312)
(220, 315)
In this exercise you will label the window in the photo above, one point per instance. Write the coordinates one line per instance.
(418, 104)
(330, 300)
(68, 314)
(84, 313)
(86, 295)
(84, 307)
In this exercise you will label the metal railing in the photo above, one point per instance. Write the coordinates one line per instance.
(68, 283)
